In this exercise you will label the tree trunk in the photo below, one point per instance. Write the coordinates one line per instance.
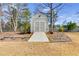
(51, 25)
(15, 25)
(1, 17)
(0, 26)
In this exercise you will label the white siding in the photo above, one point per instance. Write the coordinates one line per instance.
(39, 23)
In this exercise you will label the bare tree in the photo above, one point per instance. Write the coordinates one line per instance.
(13, 16)
(52, 13)
(1, 14)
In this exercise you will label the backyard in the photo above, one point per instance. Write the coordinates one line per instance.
(43, 29)
(22, 47)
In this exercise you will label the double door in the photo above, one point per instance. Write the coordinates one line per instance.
(39, 27)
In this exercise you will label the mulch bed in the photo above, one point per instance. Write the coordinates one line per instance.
(58, 37)
(14, 36)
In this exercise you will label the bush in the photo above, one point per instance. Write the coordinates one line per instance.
(25, 27)
(71, 26)
(61, 29)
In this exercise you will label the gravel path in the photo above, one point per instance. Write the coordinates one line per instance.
(38, 37)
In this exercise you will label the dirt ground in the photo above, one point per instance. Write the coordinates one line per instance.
(24, 48)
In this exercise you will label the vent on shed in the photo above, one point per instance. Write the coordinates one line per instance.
(39, 15)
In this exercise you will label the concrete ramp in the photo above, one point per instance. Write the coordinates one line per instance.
(38, 37)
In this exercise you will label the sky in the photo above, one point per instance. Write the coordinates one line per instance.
(69, 12)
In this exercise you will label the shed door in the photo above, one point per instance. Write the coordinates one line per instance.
(42, 26)
(39, 26)
(36, 27)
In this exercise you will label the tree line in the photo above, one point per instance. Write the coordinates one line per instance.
(15, 17)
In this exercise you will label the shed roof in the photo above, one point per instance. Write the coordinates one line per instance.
(39, 16)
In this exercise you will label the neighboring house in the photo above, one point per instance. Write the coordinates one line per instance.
(39, 23)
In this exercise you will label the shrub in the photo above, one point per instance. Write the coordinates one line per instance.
(71, 26)
(61, 29)
(25, 27)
